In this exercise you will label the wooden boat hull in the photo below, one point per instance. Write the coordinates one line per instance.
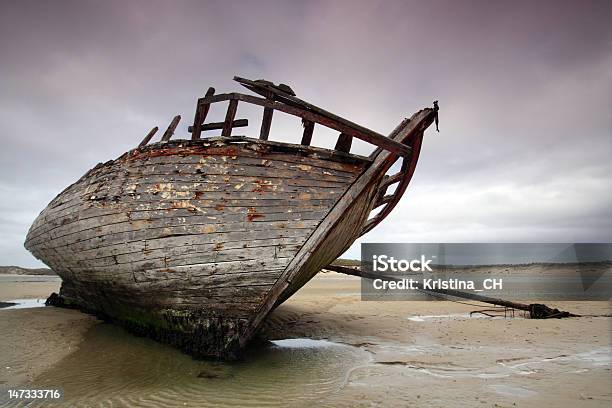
(194, 242)
(187, 235)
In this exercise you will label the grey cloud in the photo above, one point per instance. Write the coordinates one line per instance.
(525, 90)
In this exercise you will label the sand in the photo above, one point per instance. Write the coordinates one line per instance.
(416, 358)
(33, 340)
(454, 360)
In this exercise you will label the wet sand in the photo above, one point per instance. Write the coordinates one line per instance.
(419, 353)
(421, 356)
(33, 340)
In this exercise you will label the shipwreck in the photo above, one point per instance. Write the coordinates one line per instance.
(194, 241)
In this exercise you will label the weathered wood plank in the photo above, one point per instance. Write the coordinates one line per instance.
(172, 256)
(164, 227)
(264, 171)
(238, 160)
(64, 244)
(383, 200)
(148, 137)
(142, 211)
(188, 243)
(219, 125)
(308, 131)
(171, 128)
(219, 146)
(129, 177)
(240, 277)
(200, 115)
(388, 180)
(200, 206)
(266, 121)
(212, 216)
(201, 166)
(103, 195)
(195, 167)
(124, 222)
(188, 270)
(344, 143)
(229, 118)
(83, 203)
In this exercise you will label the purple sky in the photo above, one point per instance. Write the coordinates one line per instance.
(525, 89)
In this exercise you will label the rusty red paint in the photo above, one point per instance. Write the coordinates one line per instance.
(252, 217)
(252, 214)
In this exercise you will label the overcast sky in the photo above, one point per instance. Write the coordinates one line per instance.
(525, 92)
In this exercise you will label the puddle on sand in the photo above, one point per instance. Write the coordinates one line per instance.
(424, 318)
(456, 316)
(509, 391)
(305, 343)
(426, 360)
(24, 304)
(114, 368)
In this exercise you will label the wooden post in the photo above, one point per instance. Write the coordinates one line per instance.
(170, 131)
(200, 114)
(148, 137)
(229, 118)
(308, 129)
(344, 143)
(266, 121)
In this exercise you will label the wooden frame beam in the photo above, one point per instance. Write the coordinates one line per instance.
(200, 114)
(219, 125)
(171, 128)
(344, 143)
(266, 121)
(331, 121)
(229, 118)
(148, 137)
(308, 130)
(388, 180)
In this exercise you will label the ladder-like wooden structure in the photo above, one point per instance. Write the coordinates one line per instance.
(282, 98)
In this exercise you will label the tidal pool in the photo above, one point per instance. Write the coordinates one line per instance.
(23, 304)
(114, 368)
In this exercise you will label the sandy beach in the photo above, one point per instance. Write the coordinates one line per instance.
(34, 339)
(419, 353)
(449, 359)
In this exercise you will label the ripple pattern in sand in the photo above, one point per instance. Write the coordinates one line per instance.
(113, 368)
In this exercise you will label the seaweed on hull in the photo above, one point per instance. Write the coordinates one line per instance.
(194, 241)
